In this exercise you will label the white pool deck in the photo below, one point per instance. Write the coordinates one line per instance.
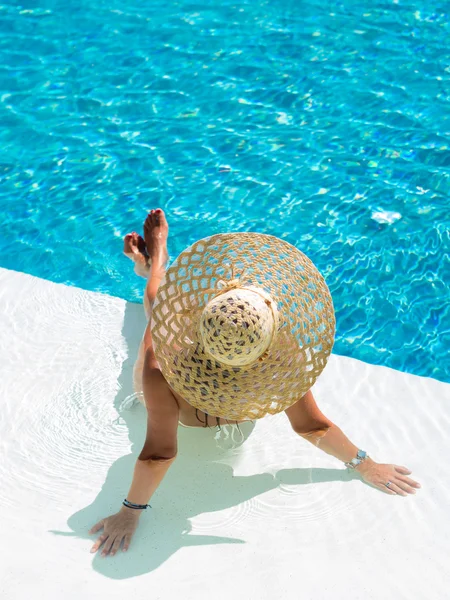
(273, 519)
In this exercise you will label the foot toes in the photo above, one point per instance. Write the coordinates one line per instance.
(134, 243)
(127, 242)
(148, 220)
(155, 219)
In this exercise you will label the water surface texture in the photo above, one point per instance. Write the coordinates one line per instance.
(324, 123)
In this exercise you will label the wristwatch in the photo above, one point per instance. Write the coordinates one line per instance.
(360, 457)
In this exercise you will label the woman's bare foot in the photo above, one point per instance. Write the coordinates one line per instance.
(156, 230)
(134, 247)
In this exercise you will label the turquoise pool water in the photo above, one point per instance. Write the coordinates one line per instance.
(327, 124)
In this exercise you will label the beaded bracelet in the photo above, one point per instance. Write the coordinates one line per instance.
(136, 506)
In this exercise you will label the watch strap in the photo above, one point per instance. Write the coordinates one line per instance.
(360, 457)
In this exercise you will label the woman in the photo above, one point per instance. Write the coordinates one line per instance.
(258, 346)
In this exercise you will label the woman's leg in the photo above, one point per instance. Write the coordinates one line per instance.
(155, 234)
(162, 407)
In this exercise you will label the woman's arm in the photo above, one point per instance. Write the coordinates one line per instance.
(308, 421)
(160, 447)
(158, 453)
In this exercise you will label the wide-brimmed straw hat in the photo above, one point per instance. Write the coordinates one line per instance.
(242, 325)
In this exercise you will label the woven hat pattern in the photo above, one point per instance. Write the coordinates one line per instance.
(209, 271)
(237, 327)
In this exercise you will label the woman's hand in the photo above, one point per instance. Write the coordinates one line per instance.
(378, 475)
(116, 528)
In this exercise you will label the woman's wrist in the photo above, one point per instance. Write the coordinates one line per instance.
(367, 463)
(130, 511)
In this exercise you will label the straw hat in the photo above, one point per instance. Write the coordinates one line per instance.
(242, 325)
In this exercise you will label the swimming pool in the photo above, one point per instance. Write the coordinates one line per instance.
(325, 124)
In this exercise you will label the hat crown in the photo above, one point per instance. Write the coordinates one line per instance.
(238, 326)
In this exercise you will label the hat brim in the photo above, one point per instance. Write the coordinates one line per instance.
(298, 353)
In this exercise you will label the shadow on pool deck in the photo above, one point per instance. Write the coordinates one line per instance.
(196, 483)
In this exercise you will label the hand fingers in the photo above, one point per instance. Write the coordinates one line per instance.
(108, 545)
(402, 470)
(397, 488)
(116, 545)
(387, 490)
(409, 481)
(407, 489)
(402, 483)
(96, 527)
(126, 542)
(99, 542)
